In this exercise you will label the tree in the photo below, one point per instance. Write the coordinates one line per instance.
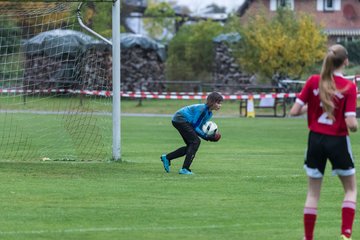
(98, 16)
(30, 25)
(160, 20)
(9, 44)
(190, 53)
(232, 23)
(353, 49)
(285, 45)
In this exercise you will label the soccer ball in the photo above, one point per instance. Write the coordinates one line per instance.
(210, 128)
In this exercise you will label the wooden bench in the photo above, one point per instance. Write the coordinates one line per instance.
(264, 103)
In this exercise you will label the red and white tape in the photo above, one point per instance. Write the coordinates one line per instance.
(153, 95)
(204, 95)
(156, 95)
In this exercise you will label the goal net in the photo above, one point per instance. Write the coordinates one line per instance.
(55, 85)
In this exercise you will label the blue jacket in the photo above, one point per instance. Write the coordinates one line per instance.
(196, 115)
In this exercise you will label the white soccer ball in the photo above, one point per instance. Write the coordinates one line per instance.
(210, 128)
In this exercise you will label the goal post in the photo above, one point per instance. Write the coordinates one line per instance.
(116, 68)
(59, 84)
(116, 50)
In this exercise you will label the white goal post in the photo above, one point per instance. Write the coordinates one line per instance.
(116, 80)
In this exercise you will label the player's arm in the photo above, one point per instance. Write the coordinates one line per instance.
(213, 138)
(298, 109)
(351, 123)
(197, 111)
(350, 109)
(201, 133)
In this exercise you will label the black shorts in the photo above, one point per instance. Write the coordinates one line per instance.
(335, 148)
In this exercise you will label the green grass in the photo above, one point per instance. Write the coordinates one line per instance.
(31, 137)
(249, 185)
(104, 105)
(72, 128)
(59, 102)
(229, 107)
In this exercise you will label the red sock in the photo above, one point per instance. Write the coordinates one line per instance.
(348, 215)
(309, 222)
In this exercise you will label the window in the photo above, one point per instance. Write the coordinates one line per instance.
(276, 4)
(341, 39)
(328, 5)
(282, 3)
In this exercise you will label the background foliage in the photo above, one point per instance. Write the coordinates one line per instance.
(9, 44)
(191, 51)
(30, 25)
(353, 49)
(286, 45)
(160, 20)
(97, 16)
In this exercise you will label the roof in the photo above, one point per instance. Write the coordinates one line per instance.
(342, 32)
(342, 26)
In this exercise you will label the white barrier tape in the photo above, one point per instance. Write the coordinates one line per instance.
(354, 78)
(172, 93)
(154, 95)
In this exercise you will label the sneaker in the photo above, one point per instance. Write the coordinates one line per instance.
(343, 237)
(185, 171)
(165, 162)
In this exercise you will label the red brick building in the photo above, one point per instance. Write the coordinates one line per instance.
(340, 18)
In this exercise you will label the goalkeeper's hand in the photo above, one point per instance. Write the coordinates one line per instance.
(214, 138)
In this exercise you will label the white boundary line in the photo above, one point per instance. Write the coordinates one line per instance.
(117, 229)
(242, 226)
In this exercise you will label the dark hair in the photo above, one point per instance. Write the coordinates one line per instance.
(213, 98)
(334, 59)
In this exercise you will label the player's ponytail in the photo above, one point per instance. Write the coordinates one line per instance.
(333, 60)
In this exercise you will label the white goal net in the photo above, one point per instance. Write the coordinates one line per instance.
(55, 83)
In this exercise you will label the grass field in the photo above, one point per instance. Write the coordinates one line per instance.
(72, 128)
(250, 185)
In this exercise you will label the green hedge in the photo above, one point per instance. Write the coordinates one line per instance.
(353, 51)
(9, 43)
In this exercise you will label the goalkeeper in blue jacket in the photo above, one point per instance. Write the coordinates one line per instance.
(189, 121)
